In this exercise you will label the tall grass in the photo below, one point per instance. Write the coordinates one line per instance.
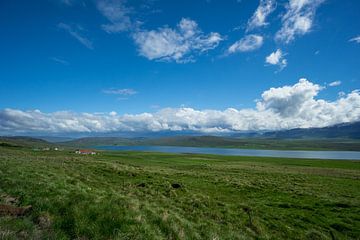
(117, 195)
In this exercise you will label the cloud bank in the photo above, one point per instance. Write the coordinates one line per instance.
(285, 107)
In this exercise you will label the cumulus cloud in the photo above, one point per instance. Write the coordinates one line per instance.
(285, 107)
(288, 100)
(117, 14)
(298, 20)
(259, 18)
(76, 32)
(335, 83)
(355, 39)
(179, 44)
(246, 44)
(124, 91)
(277, 58)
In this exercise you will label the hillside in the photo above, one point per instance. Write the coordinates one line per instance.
(344, 130)
(102, 141)
(338, 137)
(23, 141)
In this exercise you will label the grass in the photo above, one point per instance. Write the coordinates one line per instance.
(130, 195)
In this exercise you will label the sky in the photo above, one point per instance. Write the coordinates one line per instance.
(100, 66)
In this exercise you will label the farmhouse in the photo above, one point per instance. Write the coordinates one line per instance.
(85, 152)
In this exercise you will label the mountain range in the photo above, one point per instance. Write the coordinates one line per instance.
(338, 137)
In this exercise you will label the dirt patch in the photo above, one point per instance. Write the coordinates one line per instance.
(8, 210)
(44, 221)
(7, 199)
(11, 200)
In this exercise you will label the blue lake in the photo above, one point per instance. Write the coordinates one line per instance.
(341, 155)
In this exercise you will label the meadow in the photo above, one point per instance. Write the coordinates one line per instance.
(133, 195)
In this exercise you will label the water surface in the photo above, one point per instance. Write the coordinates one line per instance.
(341, 155)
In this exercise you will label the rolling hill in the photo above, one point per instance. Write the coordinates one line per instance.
(338, 137)
(344, 130)
(24, 141)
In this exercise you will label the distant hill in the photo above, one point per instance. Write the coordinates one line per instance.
(223, 142)
(337, 137)
(102, 141)
(54, 139)
(23, 141)
(344, 130)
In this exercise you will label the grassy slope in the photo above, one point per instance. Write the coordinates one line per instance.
(21, 141)
(128, 195)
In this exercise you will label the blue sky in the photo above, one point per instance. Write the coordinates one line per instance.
(135, 57)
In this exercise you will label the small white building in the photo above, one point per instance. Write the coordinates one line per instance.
(85, 152)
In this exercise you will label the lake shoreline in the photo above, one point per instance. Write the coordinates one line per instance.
(300, 154)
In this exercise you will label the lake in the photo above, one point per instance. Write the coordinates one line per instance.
(341, 155)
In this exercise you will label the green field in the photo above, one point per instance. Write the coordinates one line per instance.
(132, 195)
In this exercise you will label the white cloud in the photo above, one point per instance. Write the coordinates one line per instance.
(117, 13)
(124, 91)
(66, 2)
(335, 83)
(288, 100)
(298, 20)
(248, 43)
(279, 108)
(75, 32)
(276, 58)
(259, 18)
(341, 94)
(355, 39)
(179, 44)
(59, 60)
(113, 113)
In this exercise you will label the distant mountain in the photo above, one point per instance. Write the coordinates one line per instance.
(338, 137)
(344, 130)
(54, 139)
